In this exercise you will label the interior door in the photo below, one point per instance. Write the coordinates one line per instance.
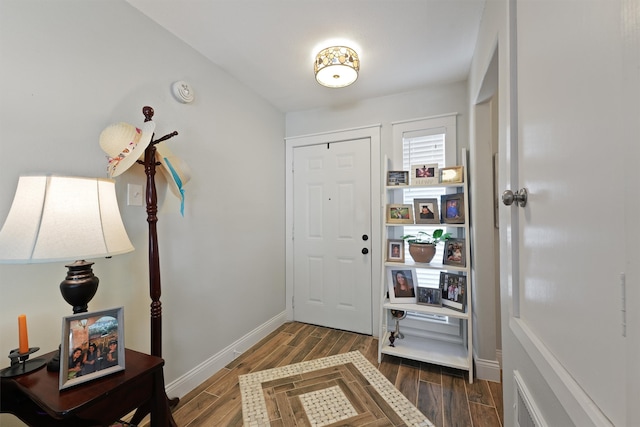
(332, 235)
(565, 287)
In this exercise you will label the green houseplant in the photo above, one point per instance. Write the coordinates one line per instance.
(422, 245)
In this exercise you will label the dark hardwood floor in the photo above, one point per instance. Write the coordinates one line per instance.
(444, 395)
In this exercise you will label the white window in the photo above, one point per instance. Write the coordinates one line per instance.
(426, 141)
(424, 149)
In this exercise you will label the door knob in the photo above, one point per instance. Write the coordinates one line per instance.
(365, 251)
(520, 197)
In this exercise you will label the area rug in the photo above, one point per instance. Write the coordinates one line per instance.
(341, 390)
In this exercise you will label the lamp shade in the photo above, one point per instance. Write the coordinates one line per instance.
(58, 218)
(336, 66)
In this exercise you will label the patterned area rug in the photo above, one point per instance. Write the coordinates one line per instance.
(345, 390)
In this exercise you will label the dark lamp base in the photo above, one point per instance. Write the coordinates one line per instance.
(78, 288)
(80, 285)
(53, 365)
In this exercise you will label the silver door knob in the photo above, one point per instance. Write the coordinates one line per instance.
(520, 197)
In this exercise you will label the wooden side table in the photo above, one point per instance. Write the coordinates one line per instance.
(36, 400)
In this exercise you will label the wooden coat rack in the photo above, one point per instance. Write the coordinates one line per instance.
(155, 289)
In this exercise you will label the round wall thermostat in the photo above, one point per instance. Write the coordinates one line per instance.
(182, 91)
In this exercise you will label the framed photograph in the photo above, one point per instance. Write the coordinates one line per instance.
(424, 174)
(395, 250)
(454, 290)
(399, 214)
(452, 174)
(430, 296)
(426, 211)
(397, 178)
(454, 253)
(92, 346)
(452, 208)
(402, 285)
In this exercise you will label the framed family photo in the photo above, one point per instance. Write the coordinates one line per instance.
(454, 253)
(402, 285)
(92, 346)
(397, 178)
(452, 208)
(430, 296)
(424, 174)
(395, 250)
(452, 174)
(399, 214)
(426, 211)
(454, 290)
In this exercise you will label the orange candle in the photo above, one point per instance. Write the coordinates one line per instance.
(23, 336)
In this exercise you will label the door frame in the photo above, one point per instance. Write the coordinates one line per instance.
(371, 132)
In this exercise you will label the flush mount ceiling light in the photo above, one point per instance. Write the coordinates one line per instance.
(336, 66)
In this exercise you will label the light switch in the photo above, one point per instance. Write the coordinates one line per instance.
(134, 195)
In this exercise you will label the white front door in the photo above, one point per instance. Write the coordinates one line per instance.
(332, 235)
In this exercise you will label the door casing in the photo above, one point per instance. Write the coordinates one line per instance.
(373, 133)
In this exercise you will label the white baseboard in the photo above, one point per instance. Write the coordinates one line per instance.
(206, 369)
(488, 370)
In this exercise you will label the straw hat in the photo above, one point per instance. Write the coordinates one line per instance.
(124, 144)
(174, 169)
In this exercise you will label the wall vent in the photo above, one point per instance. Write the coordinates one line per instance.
(526, 411)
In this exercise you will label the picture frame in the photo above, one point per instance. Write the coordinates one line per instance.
(397, 178)
(395, 250)
(396, 295)
(424, 174)
(455, 253)
(430, 296)
(452, 174)
(432, 213)
(399, 214)
(92, 346)
(452, 208)
(454, 290)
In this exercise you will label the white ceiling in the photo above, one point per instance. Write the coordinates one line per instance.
(269, 45)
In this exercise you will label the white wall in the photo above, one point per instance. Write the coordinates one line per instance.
(432, 101)
(69, 69)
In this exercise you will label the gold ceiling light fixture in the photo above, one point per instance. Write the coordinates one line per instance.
(336, 66)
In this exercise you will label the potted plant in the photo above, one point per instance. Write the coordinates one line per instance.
(422, 245)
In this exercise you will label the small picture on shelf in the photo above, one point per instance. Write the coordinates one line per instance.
(399, 214)
(454, 253)
(452, 174)
(395, 250)
(426, 211)
(452, 208)
(454, 290)
(424, 174)
(397, 178)
(402, 285)
(430, 296)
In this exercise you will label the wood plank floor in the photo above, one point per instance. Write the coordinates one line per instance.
(444, 395)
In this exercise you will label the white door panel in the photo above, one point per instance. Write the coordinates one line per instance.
(331, 214)
(570, 105)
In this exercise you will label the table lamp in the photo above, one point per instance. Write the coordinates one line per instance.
(60, 218)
